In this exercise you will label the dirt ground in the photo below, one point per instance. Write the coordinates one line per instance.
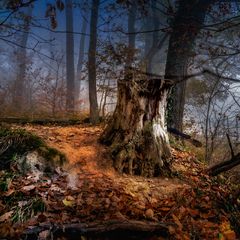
(86, 156)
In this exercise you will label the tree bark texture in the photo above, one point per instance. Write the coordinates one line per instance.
(186, 25)
(70, 57)
(137, 132)
(94, 114)
(19, 90)
(80, 61)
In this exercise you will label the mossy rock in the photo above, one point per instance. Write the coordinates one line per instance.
(16, 144)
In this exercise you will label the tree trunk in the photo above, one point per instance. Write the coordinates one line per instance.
(155, 37)
(131, 37)
(19, 86)
(137, 132)
(80, 60)
(187, 24)
(69, 57)
(94, 114)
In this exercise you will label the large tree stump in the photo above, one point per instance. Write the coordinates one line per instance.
(137, 132)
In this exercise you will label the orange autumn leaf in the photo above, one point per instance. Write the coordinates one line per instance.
(176, 220)
(229, 235)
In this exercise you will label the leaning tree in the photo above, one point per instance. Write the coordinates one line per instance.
(137, 131)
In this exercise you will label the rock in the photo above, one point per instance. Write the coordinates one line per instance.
(31, 162)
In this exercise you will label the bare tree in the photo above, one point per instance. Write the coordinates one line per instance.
(19, 90)
(94, 113)
(81, 58)
(70, 57)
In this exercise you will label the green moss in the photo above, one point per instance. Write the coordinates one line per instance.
(15, 143)
(53, 155)
(5, 180)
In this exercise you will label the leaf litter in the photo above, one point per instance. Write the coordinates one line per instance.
(88, 189)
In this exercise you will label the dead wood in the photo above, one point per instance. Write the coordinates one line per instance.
(224, 166)
(113, 229)
(184, 136)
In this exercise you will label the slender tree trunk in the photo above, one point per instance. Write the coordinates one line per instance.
(155, 37)
(131, 37)
(80, 60)
(19, 98)
(94, 114)
(69, 57)
(187, 24)
(153, 42)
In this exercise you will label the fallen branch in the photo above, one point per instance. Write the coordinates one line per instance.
(184, 136)
(224, 166)
(113, 229)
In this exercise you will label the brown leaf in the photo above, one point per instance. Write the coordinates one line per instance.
(9, 192)
(44, 235)
(230, 235)
(176, 220)
(193, 212)
(6, 216)
(28, 188)
(149, 213)
(165, 209)
(41, 218)
(171, 230)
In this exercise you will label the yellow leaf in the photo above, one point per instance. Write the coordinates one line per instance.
(225, 226)
(68, 203)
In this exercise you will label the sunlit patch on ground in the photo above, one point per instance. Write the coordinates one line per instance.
(87, 156)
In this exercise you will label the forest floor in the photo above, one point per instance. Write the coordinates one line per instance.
(187, 205)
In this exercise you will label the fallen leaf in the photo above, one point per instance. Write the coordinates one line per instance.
(6, 216)
(165, 209)
(149, 213)
(70, 198)
(41, 218)
(193, 212)
(44, 235)
(22, 203)
(229, 235)
(9, 192)
(171, 230)
(28, 188)
(68, 202)
(176, 220)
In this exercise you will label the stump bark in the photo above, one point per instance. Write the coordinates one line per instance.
(137, 132)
